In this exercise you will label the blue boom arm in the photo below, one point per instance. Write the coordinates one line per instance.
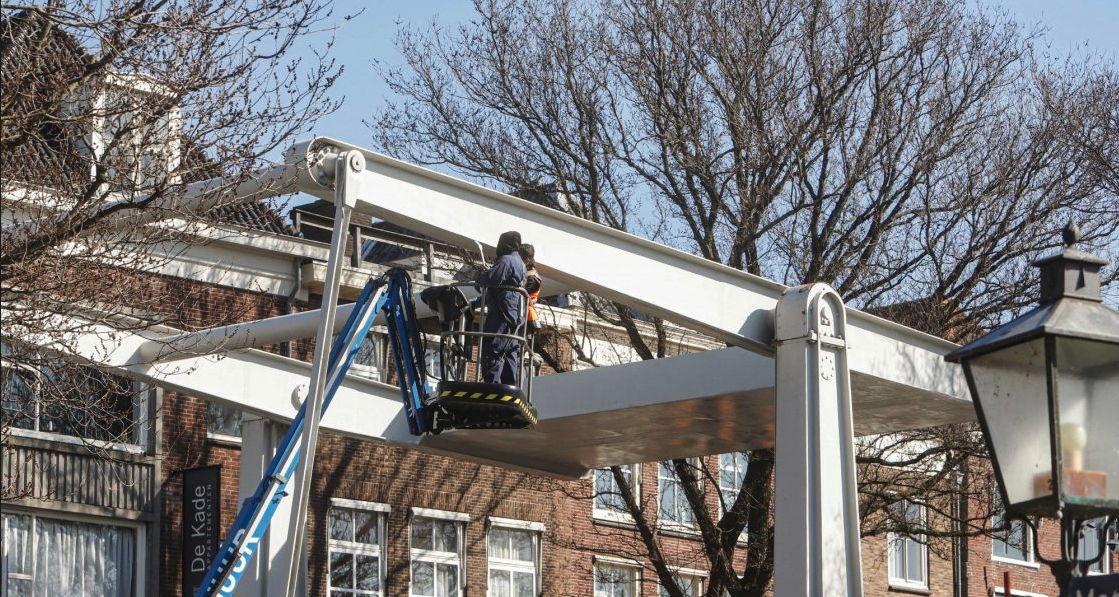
(390, 294)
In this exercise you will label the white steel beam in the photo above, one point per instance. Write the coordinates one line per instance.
(260, 438)
(726, 303)
(715, 401)
(254, 334)
(261, 383)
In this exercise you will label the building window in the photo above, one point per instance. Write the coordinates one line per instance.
(223, 422)
(367, 360)
(674, 507)
(357, 545)
(49, 556)
(691, 584)
(908, 553)
(611, 580)
(437, 553)
(68, 400)
(609, 503)
(1089, 546)
(137, 137)
(514, 549)
(1015, 543)
(732, 474)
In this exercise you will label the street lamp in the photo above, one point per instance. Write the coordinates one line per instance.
(1046, 392)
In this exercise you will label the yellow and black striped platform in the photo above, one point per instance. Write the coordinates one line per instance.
(471, 405)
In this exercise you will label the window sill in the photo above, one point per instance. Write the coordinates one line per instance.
(612, 516)
(230, 441)
(617, 523)
(678, 530)
(910, 589)
(1022, 563)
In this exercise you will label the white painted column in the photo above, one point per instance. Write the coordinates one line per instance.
(816, 518)
(347, 183)
(268, 570)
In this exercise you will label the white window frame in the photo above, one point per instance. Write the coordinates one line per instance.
(139, 570)
(223, 437)
(893, 539)
(633, 566)
(369, 370)
(608, 513)
(355, 548)
(1105, 562)
(1028, 548)
(672, 525)
(536, 529)
(141, 399)
(699, 579)
(723, 501)
(134, 87)
(458, 557)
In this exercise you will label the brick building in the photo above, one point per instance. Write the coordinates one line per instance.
(384, 521)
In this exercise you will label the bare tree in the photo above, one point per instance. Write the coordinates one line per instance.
(109, 110)
(907, 152)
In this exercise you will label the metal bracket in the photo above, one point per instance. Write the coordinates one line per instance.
(348, 168)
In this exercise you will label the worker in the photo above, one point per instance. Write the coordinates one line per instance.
(533, 284)
(503, 311)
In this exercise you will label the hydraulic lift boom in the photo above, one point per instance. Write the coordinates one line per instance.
(390, 294)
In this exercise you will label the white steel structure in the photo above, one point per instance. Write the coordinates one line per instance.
(822, 375)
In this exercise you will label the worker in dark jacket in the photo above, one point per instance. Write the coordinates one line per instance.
(503, 311)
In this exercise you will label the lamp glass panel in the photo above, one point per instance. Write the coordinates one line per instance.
(1011, 387)
(1088, 394)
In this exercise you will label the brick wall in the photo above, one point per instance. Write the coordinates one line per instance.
(876, 572)
(185, 444)
(404, 479)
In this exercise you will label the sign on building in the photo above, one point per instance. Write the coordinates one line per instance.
(201, 523)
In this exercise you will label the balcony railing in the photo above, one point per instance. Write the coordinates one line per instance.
(427, 249)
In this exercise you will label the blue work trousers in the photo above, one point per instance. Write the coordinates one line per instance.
(499, 357)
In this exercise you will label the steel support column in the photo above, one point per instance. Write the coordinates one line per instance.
(347, 185)
(260, 438)
(816, 551)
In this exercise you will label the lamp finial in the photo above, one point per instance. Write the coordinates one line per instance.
(1071, 233)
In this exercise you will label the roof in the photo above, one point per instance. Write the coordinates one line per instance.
(936, 316)
(255, 216)
(53, 155)
(50, 155)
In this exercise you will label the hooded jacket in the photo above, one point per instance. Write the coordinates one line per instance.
(508, 270)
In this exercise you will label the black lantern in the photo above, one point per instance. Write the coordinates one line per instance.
(1046, 391)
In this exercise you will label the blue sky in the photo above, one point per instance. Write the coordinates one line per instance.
(1074, 25)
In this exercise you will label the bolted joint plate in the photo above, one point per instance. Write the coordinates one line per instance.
(348, 169)
(812, 313)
